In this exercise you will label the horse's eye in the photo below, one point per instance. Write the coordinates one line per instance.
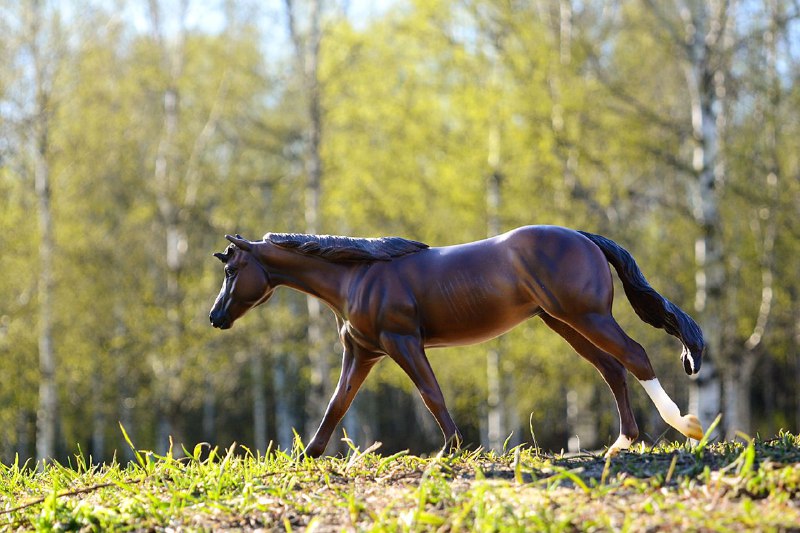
(229, 271)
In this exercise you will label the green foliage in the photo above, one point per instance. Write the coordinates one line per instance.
(587, 125)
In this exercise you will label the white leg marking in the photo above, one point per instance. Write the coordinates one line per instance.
(666, 407)
(622, 443)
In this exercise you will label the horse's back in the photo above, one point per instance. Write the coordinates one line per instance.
(471, 292)
(475, 291)
(551, 267)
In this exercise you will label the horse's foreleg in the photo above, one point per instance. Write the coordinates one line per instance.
(356, 364)
(408, 352)
(614, 375)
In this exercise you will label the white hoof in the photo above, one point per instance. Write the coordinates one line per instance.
(693, 428)
(622, 443)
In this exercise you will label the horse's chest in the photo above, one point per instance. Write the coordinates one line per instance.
(378, 314)
(365, 335)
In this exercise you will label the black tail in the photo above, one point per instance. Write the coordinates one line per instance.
(651, 306)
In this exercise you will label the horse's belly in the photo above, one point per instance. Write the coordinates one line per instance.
(460, 331)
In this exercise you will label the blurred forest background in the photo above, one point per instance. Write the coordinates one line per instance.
(134, 135)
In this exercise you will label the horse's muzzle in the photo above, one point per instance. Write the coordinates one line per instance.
(219, 320)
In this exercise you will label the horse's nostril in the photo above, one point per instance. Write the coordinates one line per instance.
(219, 320)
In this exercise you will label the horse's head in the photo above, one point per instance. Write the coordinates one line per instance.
(245, 286)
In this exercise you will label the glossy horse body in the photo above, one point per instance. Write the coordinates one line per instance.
(394, 297)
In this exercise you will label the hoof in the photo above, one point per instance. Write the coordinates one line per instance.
(314, 451)
(452, 445)
(622, 443)
(611, 452)
(693, 428)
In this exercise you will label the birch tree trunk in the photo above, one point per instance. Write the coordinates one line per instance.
(703, 31)
(495, 429)
(176, 184)
(498, 416)
(208, 419)
(796, 350)
(307, 55)
(46, 416)
(582, 426)
(765, 226)
(259, 402)
(125, 395)
(285, 421)
(43, 76)
(165, 183)
(98, 417)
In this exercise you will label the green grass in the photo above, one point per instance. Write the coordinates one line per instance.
(752, 484)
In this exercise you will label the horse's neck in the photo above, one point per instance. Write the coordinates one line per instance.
(312, 275)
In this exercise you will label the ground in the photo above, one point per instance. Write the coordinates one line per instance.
(746, 485)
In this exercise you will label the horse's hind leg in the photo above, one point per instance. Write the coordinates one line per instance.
(604, 332)
(614, 375)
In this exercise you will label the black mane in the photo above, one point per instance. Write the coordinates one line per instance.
(346, 249)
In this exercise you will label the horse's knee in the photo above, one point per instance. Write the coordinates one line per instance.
(637, 362)
(606, 334)
(642, 370)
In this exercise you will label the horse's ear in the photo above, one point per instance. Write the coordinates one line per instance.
(240, 242)
(222, 257)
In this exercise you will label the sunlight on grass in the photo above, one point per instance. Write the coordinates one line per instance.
(747, 484)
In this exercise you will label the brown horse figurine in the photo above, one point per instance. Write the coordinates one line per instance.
(396, 297)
